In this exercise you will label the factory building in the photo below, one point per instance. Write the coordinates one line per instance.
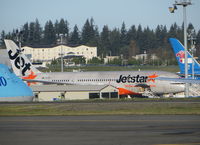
(47, 54)
(73, 92)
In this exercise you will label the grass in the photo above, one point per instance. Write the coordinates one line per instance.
(101, 108)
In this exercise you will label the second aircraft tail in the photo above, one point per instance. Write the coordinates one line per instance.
(179, 52)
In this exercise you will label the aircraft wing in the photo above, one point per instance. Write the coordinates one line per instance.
(183, 80)
(45, 82)
(58, 83)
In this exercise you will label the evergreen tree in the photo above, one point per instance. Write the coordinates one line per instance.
(31, 33)
(3, 35)
(63, 28)
(115, 42)
(105, 41)
(56, 28)
(176, 32)
(25, 30)
(140, 39)
(95, 39)
(49, 33)
(132, 33)
(133, 49)
(37, 33)
(75, 36)
(88, 33)
(123, 35)
(190, 26)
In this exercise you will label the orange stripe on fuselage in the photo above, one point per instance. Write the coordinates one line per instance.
(123, 91)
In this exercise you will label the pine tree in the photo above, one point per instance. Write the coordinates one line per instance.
(31, 33)
(3, 35)
(37, 33)
(115, 42)
(123, 35)
(132, 33)
(25, 30)
(49, 33)
(105, 41)
(56, 27)
(133, 49)
(86, 32)
(75, 36)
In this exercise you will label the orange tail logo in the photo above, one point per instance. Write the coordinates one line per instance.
(30, 77)
(152, 78)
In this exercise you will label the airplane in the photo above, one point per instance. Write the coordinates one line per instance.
(12, 88)
(183, 80)
(127, 82)
(179, 52)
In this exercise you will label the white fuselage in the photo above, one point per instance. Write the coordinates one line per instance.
(134, 81)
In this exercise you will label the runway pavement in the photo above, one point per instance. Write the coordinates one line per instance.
(100, 130)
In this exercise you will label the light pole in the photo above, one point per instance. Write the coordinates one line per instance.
(61, 52)
(192, 38)
(183, 3)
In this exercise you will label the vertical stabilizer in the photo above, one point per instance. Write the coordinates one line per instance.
(179, 52)
(12, 88)
(26, 66)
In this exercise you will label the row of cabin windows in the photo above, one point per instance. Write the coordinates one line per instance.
(96, 80)
(88, 80)
(60, 80)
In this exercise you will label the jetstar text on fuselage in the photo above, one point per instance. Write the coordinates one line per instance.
(132, 79)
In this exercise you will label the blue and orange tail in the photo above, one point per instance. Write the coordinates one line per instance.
(179, 52)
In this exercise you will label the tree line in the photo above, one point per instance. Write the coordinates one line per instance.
(124, 42)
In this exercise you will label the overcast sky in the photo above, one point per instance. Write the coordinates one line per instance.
(15, 13)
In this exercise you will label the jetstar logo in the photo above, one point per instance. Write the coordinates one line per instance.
(30, 77)
(136, 79)
(181, 56)
(24, 66)
(152, 78)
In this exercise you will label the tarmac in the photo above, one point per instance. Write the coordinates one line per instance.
(100, 130)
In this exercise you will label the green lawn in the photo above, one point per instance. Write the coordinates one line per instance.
(102, 107)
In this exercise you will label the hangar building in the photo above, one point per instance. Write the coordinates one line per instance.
(73, 92)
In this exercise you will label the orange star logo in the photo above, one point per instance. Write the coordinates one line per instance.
(30, 77)
(152, 78)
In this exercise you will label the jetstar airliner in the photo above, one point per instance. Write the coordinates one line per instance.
(127, 82)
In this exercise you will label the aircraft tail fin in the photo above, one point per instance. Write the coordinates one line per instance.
(9, 82)
(179, 52)
(26, 66)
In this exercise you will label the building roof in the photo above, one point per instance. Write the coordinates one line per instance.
(52, 46)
